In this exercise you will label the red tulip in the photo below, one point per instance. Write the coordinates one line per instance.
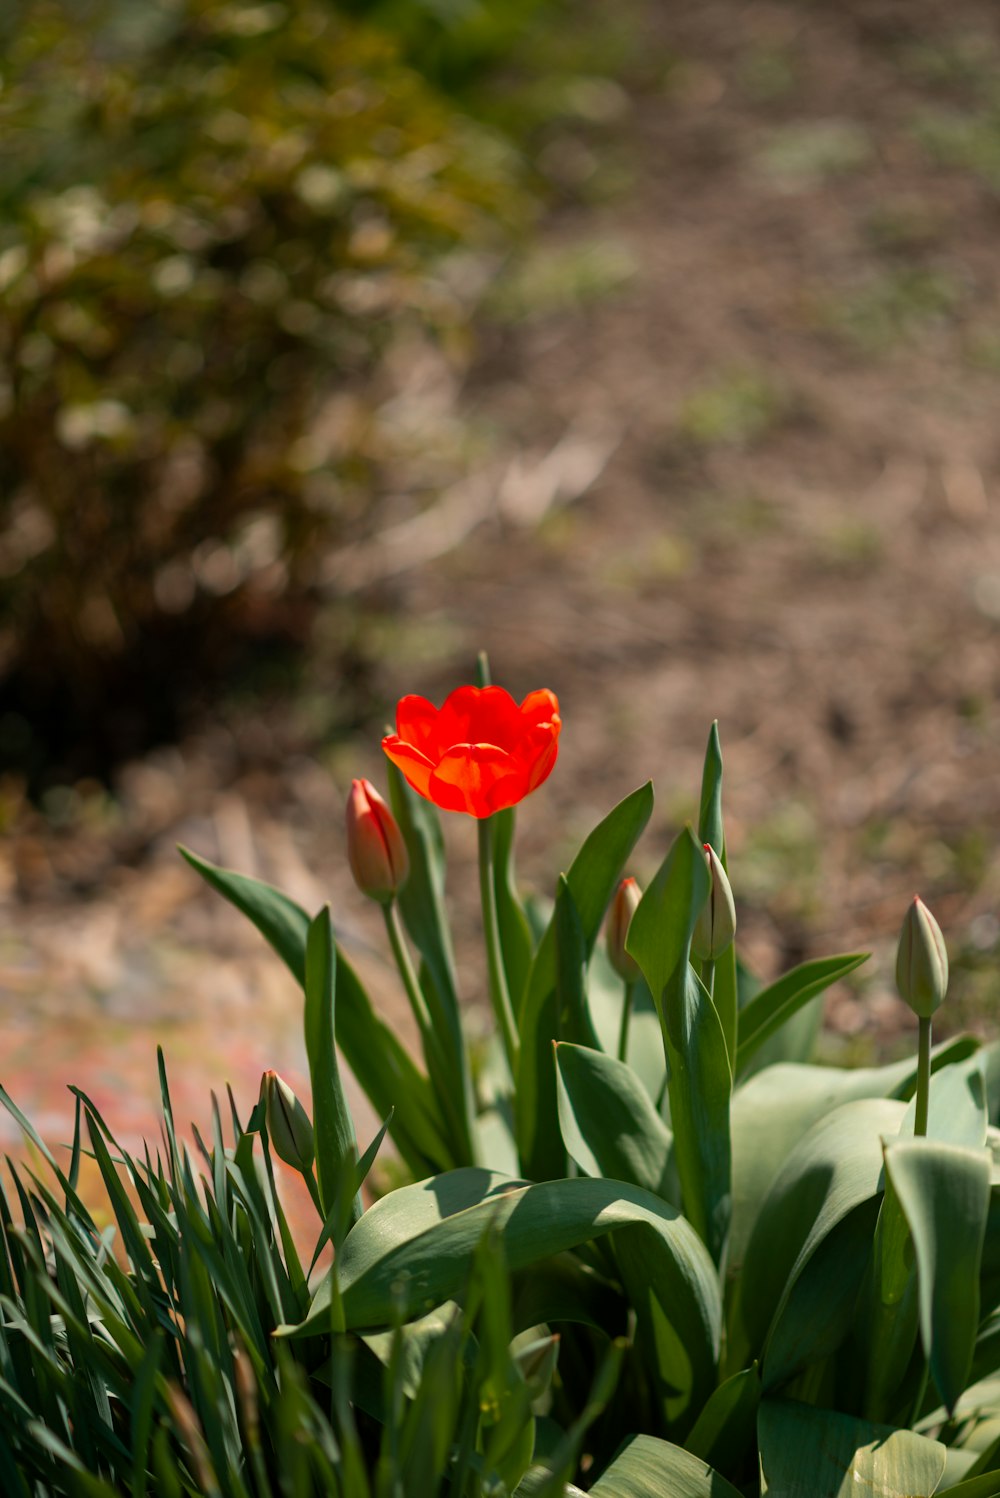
(479, 752)
(375, 847)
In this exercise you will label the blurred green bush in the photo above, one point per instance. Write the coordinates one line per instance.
(217, 217)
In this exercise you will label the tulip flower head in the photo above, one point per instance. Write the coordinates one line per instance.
(479, 752)
(716, 924)
(288, 1126)
(620, 913)
(375, 847)
(921, 961)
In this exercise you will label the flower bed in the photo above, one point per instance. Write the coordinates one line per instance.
(640, 1245)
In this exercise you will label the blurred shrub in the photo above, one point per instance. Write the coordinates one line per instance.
(215, 218)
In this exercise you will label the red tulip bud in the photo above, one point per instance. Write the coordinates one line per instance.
(375, 847)
(627, 897)
(716, 925)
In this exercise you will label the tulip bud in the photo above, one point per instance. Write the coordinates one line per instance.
(375, 847)
(288, 1126)
(623, 906)
(716, 925)
(921, 961)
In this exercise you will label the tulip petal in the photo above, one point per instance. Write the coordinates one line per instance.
(478, 779)
(479, 715)
(415, 767)
(544, 761)
(417, 724)
(537, 753)
(541, 706)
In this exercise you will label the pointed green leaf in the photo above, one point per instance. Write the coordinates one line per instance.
(333, 1126)
(711, 830)
(699, 1077)
(609, 1125)
(575, 1023)
(650, 1468)
(280, 920)
(776, 1004)
(944, 1191)
(726, 1429)
(659, 935)
(592, 879)
(812, 1453)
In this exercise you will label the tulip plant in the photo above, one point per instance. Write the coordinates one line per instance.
(642, 1248)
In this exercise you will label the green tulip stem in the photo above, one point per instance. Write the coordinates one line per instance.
(708, 976)
(626, 1016)
(499, 993)
(923, 1078)
(397, 941)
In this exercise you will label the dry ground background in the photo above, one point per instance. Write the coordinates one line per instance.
(742, 461)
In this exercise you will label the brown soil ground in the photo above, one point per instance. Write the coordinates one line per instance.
(757, 479)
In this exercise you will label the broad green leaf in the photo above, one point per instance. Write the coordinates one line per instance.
(726, 1428)
(944, 1191)
(699, 1077)
(592, 879)
(832, 1170)
(378, 1060)
(776, 1004)
(774, 1109)
(818, 1314)
(420, 1238)
(887, 1312)
(650, 1468)
(336, 1142)
(812, 1453)
(609, 1125)
(956, 1111)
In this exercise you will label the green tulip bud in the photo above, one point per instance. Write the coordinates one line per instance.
(716, 925)
(921, 961)
(620, 913)
(536, 1363)
(288, 1126)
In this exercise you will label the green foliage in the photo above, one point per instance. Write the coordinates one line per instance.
(675, 1274)
(217, 218)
